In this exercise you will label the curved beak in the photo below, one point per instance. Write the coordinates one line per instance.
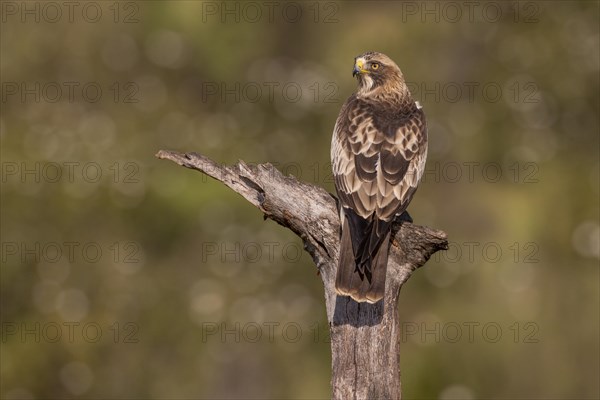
(359, 65)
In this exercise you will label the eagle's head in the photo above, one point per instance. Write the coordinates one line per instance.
(378, 76)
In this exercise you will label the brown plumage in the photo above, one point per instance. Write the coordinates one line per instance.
(378, 153)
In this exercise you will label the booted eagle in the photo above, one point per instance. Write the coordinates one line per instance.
(378, 153)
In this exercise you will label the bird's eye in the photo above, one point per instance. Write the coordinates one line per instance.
(375, 66)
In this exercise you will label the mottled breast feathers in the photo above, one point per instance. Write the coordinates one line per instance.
(378, 153)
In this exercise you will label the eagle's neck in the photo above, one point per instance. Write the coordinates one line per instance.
(393, 92)
(395, 98)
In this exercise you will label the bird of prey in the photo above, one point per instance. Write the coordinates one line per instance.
(378, 154)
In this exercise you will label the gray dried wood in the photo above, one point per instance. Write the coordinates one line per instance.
(364, 337)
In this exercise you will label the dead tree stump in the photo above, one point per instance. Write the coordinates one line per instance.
(365, 337)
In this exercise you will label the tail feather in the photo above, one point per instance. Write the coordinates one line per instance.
(379, 267)
(363, 279)
(376, 233)
(346, 272)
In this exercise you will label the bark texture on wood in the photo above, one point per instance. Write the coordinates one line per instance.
(364, 337)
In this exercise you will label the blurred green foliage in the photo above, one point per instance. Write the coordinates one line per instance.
(127, 277)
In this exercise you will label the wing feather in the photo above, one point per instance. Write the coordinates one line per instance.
(369, 146)
(366, 167)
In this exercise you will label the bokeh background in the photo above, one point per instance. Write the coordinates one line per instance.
(124, 276)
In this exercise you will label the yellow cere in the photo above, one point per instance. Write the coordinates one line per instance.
(360, 63)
